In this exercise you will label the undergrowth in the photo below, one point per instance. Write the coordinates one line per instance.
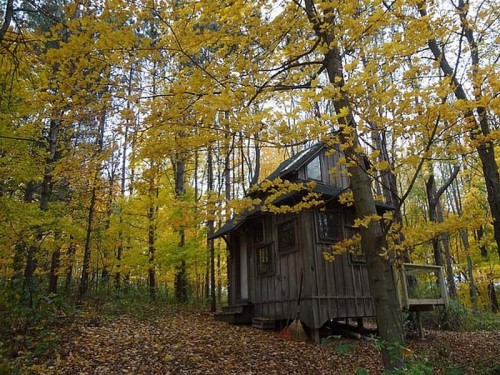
(457, 317)
(31, 319)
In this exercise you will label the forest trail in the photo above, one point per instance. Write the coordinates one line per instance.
(194, 343)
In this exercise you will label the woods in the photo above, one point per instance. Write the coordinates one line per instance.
(131, 131)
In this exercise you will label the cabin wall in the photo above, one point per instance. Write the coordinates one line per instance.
(330, 290)
(342, 287)
(275, 294)
(272, 277)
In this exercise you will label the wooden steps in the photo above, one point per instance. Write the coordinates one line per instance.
(237, 314)
(264, 323)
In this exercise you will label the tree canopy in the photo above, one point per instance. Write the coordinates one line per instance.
(131, 129)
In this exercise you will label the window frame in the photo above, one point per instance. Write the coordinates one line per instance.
(320, 169)
(268, 268)
(319, 236)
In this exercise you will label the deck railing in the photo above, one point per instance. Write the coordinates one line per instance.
(421, 287)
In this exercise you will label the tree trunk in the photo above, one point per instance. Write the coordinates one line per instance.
(9, 12)
(152, 214)
(440, 243)
(210, 225)
(480, 124)
(482, 246)
(44, 200)
(470, 269)
(123, 181)
(69, 270)
(492, 295)
(181, 287)
(54, 268)
(256, 171)
(84, 278)
(380, 274)
(45, 194)
(219, 275)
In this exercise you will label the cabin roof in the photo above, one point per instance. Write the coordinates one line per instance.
(327, 192)
(296, 161)
(286, 168)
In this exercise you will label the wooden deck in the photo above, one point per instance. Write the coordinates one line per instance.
(421, 287)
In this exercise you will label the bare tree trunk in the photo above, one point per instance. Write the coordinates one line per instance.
(54, 268)
(84, 278)
(256, 171)
(210, 225)
(45, 194)
(206, 284)
(448, 261)
(206, 291)
(219, 274)
(482, 246)
(44, 201)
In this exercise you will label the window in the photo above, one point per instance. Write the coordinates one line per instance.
(286, 236)
(264, 259)
(313, 169)
(329, 226)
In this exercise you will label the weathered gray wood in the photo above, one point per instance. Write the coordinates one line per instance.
(331, 290)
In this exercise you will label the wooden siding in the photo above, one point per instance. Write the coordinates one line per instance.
(330, 290)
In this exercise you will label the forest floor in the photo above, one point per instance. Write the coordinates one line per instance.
(188, 342)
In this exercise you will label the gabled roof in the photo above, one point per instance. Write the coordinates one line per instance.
(295, 162)
(286, 168)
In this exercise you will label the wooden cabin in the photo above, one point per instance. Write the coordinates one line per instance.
(270, 253)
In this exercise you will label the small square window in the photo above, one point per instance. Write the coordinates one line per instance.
(264, 259)
(286, 236)
(329, 226)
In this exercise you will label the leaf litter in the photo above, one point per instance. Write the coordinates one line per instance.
(194, 343)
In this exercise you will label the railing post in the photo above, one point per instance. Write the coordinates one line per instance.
(405, 288)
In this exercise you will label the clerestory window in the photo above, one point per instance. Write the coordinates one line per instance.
(313, 169)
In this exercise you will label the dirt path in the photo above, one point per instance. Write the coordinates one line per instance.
(191, 343)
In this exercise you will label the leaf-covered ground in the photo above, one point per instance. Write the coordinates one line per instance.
(194, 343)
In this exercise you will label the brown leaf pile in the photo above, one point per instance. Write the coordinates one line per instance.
(475, 352)
(194, 343)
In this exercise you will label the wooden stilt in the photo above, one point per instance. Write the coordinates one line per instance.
(360, 323)
(418, 322)
(315, 336)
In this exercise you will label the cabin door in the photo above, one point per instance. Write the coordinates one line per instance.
(243, 268)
